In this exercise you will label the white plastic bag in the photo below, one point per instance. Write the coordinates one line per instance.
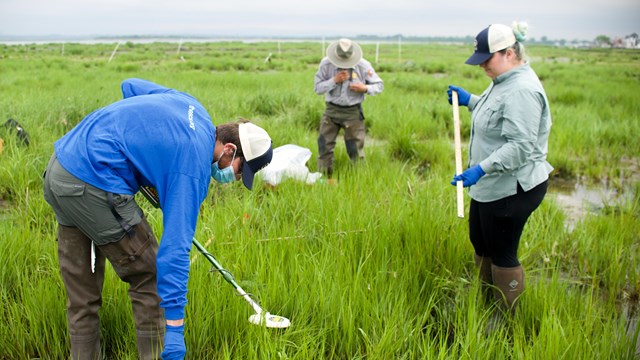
(289, 161)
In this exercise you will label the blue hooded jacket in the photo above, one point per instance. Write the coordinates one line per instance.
(155, 136)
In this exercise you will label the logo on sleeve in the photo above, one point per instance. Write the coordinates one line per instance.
(190, 116)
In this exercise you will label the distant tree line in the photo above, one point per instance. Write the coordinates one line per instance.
(600, 40)
(629, 41)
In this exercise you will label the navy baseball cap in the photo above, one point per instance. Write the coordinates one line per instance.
(492, 39)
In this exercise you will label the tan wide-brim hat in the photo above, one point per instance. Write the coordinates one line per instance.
(344, 53)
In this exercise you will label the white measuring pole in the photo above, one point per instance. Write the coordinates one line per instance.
(114, 51)
(458, 152)
(179, 47)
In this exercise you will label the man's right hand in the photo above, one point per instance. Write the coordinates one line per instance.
(174, 348)
(341, 76)
(463, 95)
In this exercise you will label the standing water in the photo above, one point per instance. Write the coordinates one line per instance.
(577, 199)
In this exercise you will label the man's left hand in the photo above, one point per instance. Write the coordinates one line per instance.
(358, 87)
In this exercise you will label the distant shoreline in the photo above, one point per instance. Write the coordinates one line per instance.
(138, 39)
(59, 39)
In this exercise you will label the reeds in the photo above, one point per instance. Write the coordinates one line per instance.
(376, 265)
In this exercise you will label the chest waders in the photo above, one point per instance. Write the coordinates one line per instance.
(336, 117)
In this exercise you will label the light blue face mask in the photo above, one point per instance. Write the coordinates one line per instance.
(226, 175)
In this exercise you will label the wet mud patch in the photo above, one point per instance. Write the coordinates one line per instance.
(630, 312)
(579, 197)
(4, 207)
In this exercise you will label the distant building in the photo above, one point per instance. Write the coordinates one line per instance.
(628, 42)
(631, 41)
(617, 42)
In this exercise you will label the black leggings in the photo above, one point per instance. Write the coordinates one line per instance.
(495, 227)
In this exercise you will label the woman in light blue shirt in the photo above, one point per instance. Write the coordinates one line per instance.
(508, 171)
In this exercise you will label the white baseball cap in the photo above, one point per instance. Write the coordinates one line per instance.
(257, 150)
(492, 39)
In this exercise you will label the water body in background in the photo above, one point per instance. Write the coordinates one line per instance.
(578, 198)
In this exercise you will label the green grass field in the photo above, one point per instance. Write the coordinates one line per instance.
(377, 266)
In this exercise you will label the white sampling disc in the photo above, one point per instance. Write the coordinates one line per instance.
(270, 321)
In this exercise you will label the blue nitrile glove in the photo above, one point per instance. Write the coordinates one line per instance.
(463, 95)
(469, 176)
(174, 348)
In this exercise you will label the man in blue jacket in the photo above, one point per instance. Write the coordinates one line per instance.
(155, 137)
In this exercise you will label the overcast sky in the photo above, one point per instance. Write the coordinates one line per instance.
(555, 19)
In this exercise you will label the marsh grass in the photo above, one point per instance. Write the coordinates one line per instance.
(374, 266)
